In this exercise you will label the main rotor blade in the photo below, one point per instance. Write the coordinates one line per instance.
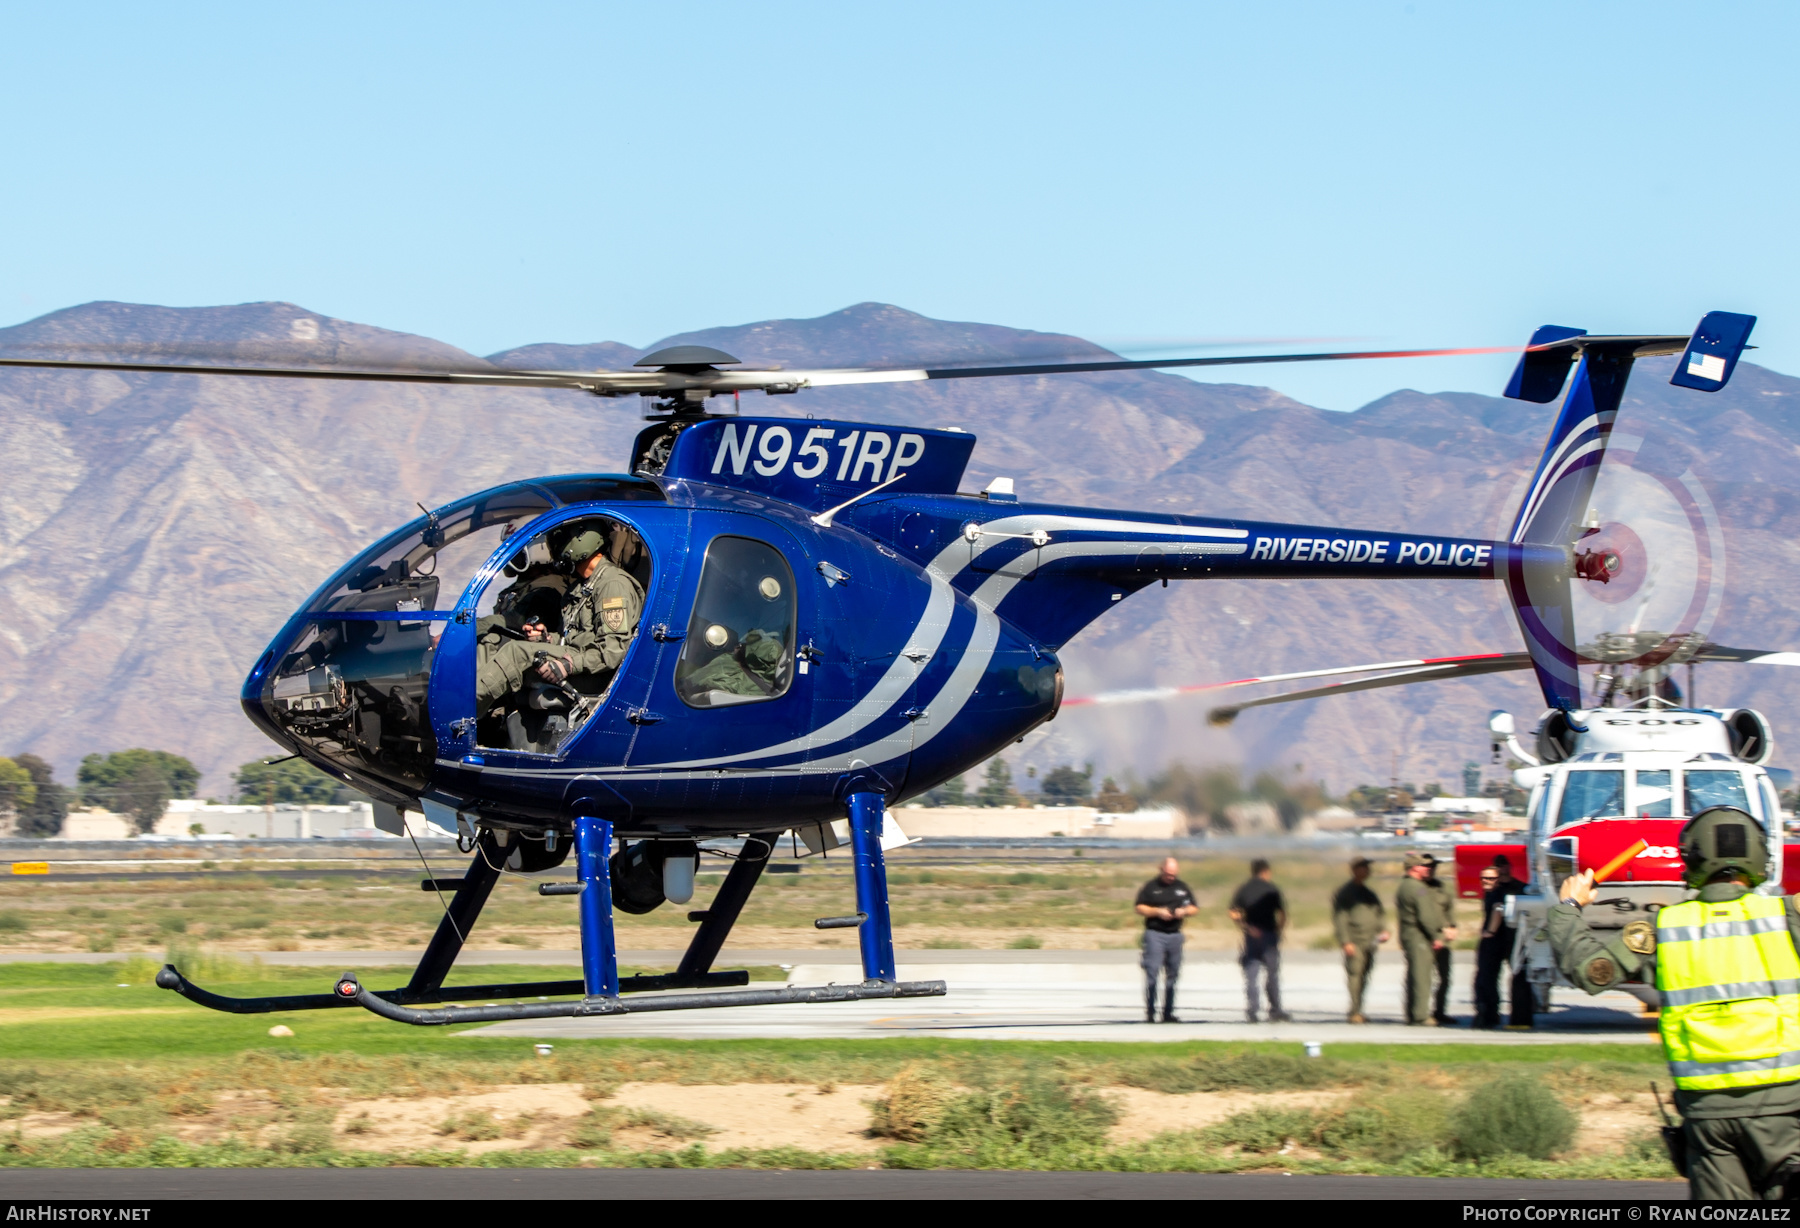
(493, 376)
(713, 381)
(1496, 663)
(1234, 360)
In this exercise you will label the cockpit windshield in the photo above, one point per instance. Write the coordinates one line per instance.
(353, 686)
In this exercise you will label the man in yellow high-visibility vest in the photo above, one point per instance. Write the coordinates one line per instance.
(1728, 967)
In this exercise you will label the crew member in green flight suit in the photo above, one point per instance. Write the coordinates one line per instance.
(1421, 926)
(1727, 966)
(1360, 924)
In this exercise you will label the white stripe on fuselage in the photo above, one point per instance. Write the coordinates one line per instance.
(934, 624)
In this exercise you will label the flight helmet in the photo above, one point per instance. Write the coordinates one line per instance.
(1724, 838)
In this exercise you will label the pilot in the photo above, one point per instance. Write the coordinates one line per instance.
(1728, 967)
(600, 614)
(507, 645)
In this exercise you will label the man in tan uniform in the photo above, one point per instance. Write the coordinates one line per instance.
(1359, 921)
(1421, 927)
(501, 660)
(600, 614)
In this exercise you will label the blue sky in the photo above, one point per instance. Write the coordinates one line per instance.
(1405, 173)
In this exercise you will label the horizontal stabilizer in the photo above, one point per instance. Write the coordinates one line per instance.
(1712, 353)
(1544, 366)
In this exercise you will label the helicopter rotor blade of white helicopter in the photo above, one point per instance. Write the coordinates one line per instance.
(1495, 664)
(1514, 660)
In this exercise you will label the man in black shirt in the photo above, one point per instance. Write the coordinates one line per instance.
(1261, 915)
(1162, 903)
(1496, 948)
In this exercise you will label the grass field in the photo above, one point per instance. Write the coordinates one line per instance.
(1053, 900)
(99, 1068)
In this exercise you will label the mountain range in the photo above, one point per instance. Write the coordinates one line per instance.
(155, 530)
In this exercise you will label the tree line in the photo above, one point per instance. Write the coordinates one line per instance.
(139, 784)
(1202, 792)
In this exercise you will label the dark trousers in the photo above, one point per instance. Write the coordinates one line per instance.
(1524, 998)
(1440, 994)
(1262, 955)
(1742, 1157)
(1490, 957)
(1162, 953)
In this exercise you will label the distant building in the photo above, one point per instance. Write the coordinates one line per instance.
(284, 822)
(1038, 823)
(1459, 805)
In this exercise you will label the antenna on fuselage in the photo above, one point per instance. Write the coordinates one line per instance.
(823, 519)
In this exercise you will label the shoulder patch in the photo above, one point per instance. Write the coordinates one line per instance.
(1639, 938)
(1601, 971)
(613, 603)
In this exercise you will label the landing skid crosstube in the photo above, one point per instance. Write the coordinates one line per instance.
(601, 986)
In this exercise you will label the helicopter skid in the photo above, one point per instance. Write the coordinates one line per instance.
(170, 978)
(352, 992)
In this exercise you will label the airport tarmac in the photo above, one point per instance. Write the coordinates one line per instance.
(1097, 996)
(1027, 995)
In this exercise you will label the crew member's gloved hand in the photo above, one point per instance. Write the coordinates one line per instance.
(555, 670)
(1578, 889)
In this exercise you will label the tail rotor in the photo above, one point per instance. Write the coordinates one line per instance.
(1556, 510)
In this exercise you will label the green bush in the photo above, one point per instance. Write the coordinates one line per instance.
(1264, 1129)
(1387, 1128)
(1032, 1124)
(1513, 1114)
(13, 922)
(1244, 1070)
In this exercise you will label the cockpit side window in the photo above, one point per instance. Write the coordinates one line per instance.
(552, 630)
(1591, 794)
(739, 647)
(1714, 788)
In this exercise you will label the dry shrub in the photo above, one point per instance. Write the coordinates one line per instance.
(916, 1101)
(474, 1126)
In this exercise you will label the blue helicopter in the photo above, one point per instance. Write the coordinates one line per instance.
(828, 627)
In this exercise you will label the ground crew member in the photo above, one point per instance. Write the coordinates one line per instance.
(1163, 903)
(1495, 947)
(1728, 967)
(1421, 927)
(1359, 921)
(600, 614)
(1440, 954)
(1261, 914)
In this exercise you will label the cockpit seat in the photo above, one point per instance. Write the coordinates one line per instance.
(757, 668)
